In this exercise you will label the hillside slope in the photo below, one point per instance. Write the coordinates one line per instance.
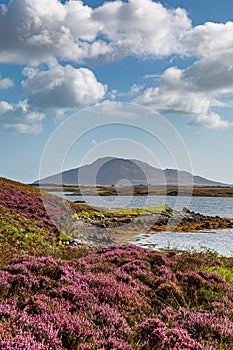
(25, 225)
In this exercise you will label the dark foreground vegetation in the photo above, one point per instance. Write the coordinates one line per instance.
(54, 297)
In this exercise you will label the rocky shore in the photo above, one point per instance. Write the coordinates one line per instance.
(189, 221)
(118, 226)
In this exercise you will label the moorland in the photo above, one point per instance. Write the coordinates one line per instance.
(58, 296)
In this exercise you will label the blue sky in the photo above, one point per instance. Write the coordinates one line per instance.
(59, 58)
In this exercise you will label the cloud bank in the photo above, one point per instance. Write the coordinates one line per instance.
(34, 33)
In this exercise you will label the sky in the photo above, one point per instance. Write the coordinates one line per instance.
(139, 76)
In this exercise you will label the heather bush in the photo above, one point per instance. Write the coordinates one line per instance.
(156, 334)
(116, 298)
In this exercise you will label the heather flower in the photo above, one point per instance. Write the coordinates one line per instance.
(114, 298)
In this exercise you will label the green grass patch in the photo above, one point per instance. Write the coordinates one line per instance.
(222, 271)
(64, 237)
(83, 210)
(158, 210)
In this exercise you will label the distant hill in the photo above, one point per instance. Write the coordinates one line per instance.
(110, 171)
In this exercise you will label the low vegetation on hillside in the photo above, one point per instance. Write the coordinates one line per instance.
(117, 298)
(26, 226)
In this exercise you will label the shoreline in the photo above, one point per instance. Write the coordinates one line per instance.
(101, 190)
(118, 226)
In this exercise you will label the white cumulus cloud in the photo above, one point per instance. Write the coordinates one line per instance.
(203, 86)
(33, 31)
(209, 40)
(190, 91)
(142, 27)
(6, 83)
(20, 118)
(211, 121)
(62, 86)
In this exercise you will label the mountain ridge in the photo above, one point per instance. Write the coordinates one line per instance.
(112, 171)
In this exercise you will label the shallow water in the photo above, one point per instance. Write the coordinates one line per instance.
(204, 205)
(221, 241)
